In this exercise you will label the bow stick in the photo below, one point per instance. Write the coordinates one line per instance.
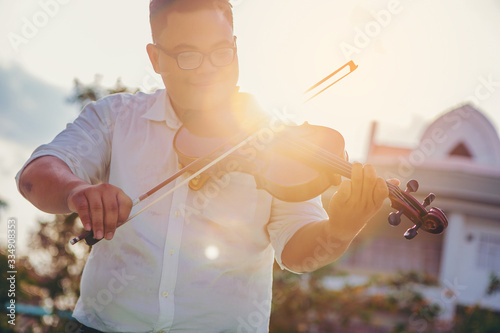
(352, 67)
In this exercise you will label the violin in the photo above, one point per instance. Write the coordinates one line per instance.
(292, 163)
(298, 163)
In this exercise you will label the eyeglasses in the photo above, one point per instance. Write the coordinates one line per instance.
(192, 59)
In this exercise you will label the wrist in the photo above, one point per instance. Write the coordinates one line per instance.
(71, 188)
(344, 231)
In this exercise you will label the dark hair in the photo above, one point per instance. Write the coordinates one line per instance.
(158, 10)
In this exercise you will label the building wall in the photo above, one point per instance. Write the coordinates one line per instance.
(467, 188)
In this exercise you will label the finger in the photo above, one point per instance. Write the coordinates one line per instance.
(394, 181)
(80, 205)
(110, 212)
(380, 192)
(124, 207)
(369, 181)
(357, 181)
(96, 214)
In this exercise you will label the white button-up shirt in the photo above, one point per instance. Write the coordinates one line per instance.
(198, 261)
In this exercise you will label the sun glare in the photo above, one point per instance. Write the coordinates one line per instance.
(212, 252)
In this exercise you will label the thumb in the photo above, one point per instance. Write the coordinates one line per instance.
(380, 193)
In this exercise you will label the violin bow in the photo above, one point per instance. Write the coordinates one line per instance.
(352, 68)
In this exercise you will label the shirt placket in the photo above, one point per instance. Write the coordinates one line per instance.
(171, 260)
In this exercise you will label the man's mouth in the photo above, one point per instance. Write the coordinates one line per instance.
(204, 83)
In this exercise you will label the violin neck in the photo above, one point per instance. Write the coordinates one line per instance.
(344, 168)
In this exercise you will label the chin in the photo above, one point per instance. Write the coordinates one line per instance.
(209, 97)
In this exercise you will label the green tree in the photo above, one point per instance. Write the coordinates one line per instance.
(85, 93)
(473, 319)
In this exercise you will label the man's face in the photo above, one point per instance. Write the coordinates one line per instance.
(206, 87)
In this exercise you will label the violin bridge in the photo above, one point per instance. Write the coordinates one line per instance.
(197, 183)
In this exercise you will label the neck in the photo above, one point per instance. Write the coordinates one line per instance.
(207, 122)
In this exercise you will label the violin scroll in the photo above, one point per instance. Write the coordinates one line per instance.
(433, 220)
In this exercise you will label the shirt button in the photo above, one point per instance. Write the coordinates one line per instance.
(177, 213)
(164, 294)
(171, 252)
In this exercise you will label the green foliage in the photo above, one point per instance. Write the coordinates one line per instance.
(473, 319)
(3, 204)
(57, 261)
(83, 94)
(302, 303)
(494, 285)
(49, 278)
(22, 276)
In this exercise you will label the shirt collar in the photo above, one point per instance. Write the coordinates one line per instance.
(162, 110)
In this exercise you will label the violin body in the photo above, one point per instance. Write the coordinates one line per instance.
(276, 164)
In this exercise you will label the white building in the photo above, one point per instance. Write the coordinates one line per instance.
(458, 159)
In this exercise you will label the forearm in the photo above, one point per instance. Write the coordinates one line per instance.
(316, 245)
(46, 182)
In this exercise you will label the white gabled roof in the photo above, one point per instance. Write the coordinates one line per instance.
(463, 133)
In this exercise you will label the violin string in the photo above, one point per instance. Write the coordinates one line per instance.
(328, 158)
(324, 156)
(403, 196)
(336, 161)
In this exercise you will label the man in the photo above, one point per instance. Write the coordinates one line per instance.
(200, 261)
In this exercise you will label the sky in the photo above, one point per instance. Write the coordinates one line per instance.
(416, 60)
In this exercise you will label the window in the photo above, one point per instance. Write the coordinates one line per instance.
(489, 252)
(461, 150)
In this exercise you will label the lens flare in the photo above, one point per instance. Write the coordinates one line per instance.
(212, 252)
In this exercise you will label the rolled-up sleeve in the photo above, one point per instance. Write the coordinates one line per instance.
(287, 218)
(85, 144)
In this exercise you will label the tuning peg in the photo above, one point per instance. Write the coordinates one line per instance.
(411, 186)
(430, 198)
(395, 218)
(412, 232)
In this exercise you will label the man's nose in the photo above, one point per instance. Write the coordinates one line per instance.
(206, 66)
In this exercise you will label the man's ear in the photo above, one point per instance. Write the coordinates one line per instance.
(153, 57)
